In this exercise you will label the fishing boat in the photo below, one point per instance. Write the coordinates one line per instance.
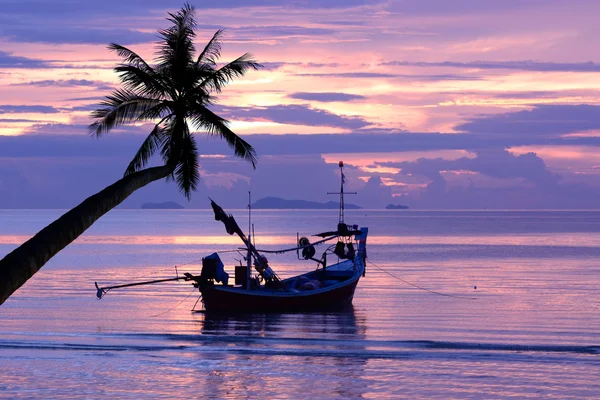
(258, 288)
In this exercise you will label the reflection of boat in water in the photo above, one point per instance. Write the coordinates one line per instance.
(282, 355)
(347, 323)
(330, 287)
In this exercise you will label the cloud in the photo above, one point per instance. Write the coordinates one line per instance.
(272, 66)
(543, 120)
(87, 107)
(19, 120)
(510, 65)
(495, 163)
(90, 10)
(9, 61)
(435, 7)
(495, 178)
(499, 178)
(433, 78)
(325, 96)
(65, 83)
(52, 139)
(74, 35)
(374, 194)
(12, 109)
(535, 94)
(295, 114)
(274, 31)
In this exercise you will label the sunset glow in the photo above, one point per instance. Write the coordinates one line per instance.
(504, 76)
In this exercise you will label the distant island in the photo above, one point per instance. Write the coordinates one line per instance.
(167, 205)
(278, 203)
(396, 207)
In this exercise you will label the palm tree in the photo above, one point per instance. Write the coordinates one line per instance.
(176, 92)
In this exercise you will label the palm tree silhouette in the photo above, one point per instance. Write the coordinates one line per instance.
(176, 92)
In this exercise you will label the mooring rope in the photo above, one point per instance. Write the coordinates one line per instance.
(420, 287)
(178, 304)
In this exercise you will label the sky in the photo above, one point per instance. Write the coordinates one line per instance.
(434, 104)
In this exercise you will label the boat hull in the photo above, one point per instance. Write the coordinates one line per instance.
(332, 296)
(217, 298)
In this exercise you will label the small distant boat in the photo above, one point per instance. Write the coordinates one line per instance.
(330, 286)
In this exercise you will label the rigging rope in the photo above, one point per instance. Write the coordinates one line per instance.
(200, 260)
(178, 304)
(194, 308)
(419, 287)
(297, 248)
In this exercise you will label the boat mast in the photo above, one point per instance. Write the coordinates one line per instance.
(341, 192)
(249, 255)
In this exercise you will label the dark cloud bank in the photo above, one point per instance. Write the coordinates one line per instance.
(57, 171)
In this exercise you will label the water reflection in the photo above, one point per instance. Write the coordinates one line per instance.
(346, 324)
(327, 348)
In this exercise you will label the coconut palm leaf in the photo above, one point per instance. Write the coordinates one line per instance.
(187, 172)
(217, 79)
(153, 141)
(123, 106)
(140, 81)
(177, 45)
(212, 51)
(203, 118)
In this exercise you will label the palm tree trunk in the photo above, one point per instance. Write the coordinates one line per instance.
(22, 263)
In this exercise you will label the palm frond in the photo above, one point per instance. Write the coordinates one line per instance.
(203, 118)
(143, 81)
(218, 78)
(177, 44)
(175, 131)
(147, 149)
(212, 50)
(162, 110)
(184, 19)
(121, 107)
(186, 173)
(130, 57)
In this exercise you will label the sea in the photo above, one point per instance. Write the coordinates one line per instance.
(482, 304)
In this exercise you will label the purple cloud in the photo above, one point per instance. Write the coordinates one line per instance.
(12, 109)
(495, 163)
(9, 61)
(543, 120)
(272, 66)
(511, 65)
(325, 96)
(275, 32)
(463, 6)
(15, 120)
(75, 35)
(297, 114)
(70, 9)
(524, 181)
(433, 78)
(64, 83)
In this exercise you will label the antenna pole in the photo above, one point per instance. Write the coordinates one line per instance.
(341, 164)
(341, 192)
(249, 212)
(250, 233)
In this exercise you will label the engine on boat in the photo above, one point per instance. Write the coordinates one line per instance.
(213, 268)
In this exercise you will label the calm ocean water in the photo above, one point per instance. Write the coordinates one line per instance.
(521, 320)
